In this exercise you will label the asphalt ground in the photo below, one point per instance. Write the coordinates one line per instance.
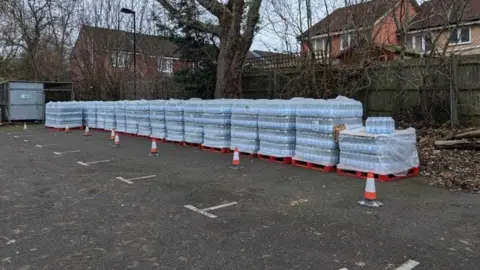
(58, 214)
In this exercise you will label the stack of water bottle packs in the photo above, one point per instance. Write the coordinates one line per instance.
(276, 128)
(157, 119)
(63, 114)
(130, 117)
(142, 117)
(216, 122)
(378, 148)
(109, 114)
(120, 116)
(300, 129)
(174, 120)
(193, 120)
(101, 114)
(315, 123)
(244, 126)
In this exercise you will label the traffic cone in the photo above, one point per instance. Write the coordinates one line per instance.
(112, 134)
(116, 142)
(25, 126)
(67, 129)
(87, 132)
(236, 159)
(154, 150)
(370, 196)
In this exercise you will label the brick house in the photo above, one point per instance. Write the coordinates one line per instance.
(102, 63)
(446, 27)
(372, 24)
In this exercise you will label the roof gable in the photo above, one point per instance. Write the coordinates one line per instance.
(363, 14)
(116, 40)
(437, 13)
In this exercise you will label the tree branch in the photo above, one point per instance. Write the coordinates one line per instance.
(198, 25)
(216, 8)
(252, 19)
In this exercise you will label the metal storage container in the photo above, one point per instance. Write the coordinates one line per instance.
(24, 100)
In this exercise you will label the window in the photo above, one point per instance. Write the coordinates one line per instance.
(345, 40)
(461, 35)
(120, 59)
(319, 47)
(165, 65)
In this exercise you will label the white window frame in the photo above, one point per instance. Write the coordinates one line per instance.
(161, 67)
(349, 37)
(120, 59)
(459, 34)
(414, 42)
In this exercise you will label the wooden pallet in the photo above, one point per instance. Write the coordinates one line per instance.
(223, 150)
(182, 143)
(313, 166)
(379, 177)
(63, 129)
(279, 160)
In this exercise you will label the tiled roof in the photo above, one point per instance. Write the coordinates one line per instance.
(359, 15)
(437, 13)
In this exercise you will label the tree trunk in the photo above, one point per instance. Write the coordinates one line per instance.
(229, 69)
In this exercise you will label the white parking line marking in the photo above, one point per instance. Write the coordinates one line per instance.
(86, 164)
(65, 152)
(45, 145)
(343, 268)
(204, 211)
(16, 137)
(129, 181)
(25, 140)
(20, 132)
(219, 206)
(408, 265)
(124, 180)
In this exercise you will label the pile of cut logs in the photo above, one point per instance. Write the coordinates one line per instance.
(466, 139)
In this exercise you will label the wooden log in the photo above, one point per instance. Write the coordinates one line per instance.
(458, 144)
(468, 134)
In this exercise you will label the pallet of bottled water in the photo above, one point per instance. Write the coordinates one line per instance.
(51, 114)
(109, 109)
(244, 126)
(130, 117)
(157, 119)
(276, 128)
(101, 114)
(62, 114)
(91, 113)
(216, 122)
(193, 119)
(174, 120)
(383, 154)
(142, 117)
(120, 116)
(315, 123)
(380, 125)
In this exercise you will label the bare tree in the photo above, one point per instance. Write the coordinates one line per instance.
(234, 25)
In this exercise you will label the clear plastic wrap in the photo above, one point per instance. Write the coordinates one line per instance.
(384, 154)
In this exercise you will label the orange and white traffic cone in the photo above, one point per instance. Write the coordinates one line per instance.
(87, 132)
(67, 129)
(25, 126)
(153, 149)
(116, 142)
(236, 159)
(112, 134)
(370, 196)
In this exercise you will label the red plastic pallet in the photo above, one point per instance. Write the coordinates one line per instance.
(253, 155)
(163, 140)
(379, 177)
(63, 129)
(175, 142)
(313, 166)
(193, 144)
(223, 150)
(280, 160)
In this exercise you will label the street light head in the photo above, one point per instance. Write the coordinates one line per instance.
(127, 11)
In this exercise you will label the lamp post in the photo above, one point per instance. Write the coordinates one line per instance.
(129, 11)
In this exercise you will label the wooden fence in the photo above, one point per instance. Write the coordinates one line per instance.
(434, 90)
